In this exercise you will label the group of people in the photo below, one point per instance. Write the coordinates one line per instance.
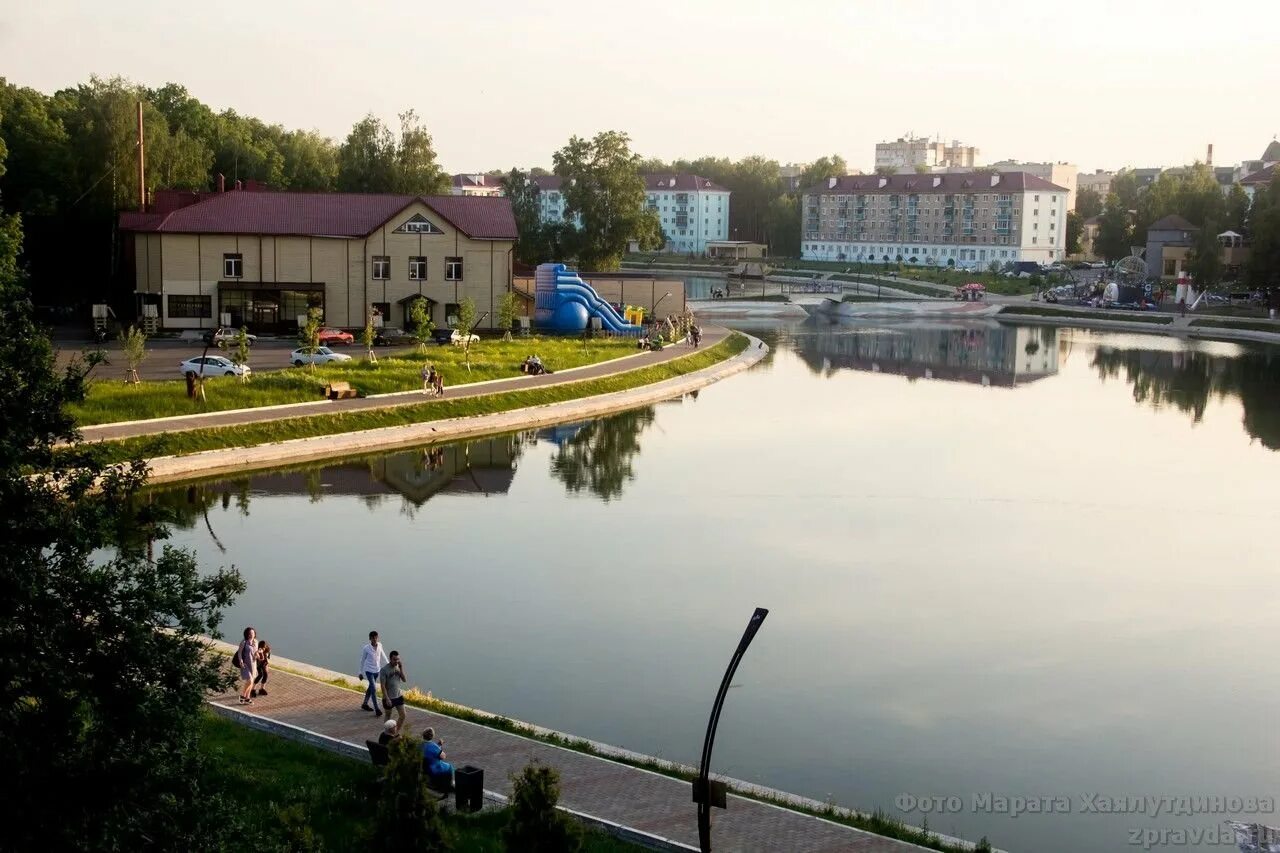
(386, 677)
(533, 366)
(432, 380)
(253, 659)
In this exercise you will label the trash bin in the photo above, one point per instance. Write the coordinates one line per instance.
(468, 786)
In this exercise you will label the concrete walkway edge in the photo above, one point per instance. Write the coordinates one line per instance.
(205, 463)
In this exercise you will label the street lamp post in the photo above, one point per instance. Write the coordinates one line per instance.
(705, 792)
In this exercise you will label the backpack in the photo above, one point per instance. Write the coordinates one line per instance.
(236, 660)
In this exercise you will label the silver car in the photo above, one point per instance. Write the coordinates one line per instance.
(212, 365)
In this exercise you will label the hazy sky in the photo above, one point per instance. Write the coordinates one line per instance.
(1100, 83)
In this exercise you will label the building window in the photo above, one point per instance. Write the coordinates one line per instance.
(381, 267)
(233, 266)
(1035, 240)
(383, 310)
(451, 314)
(453, 269)
(417, 268)
(418, 224)
(190, 306)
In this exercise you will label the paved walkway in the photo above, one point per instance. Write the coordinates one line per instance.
(656, 805)
(212, 420)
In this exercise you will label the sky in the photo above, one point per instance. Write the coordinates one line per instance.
(1098, 83)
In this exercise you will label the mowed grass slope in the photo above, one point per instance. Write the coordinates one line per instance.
(109, 401)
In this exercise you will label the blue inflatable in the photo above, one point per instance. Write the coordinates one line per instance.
(563, 302)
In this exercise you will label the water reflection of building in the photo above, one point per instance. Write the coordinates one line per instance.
(981, 353)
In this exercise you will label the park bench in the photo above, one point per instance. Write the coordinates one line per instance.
(440, 786)
(339, 391)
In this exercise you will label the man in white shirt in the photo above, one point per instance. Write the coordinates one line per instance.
(372, 660)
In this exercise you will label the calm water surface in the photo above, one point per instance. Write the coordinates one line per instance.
(1018, 561)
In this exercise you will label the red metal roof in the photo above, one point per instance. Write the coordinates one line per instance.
(681, 183)
(955, 182)
(323, 214)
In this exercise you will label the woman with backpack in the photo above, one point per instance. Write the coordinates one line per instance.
(245, 659)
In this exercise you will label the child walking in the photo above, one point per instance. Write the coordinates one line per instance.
(263, 657)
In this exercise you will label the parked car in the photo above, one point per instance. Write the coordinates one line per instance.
(212, 365)
(227, 336)
(1057, 266)
(458, 338)
(390, 336)
(1097, 265)
(1082, 265)
(322, 355)
(329, 337)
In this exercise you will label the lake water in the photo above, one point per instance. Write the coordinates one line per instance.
(1000, 562)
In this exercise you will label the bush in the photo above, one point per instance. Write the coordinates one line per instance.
(407, 812)
(536, 826)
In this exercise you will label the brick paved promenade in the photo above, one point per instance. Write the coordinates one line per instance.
(712, 335)
(657, 806)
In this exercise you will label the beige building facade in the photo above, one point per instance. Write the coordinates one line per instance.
(909, 152)
(1062, 174)
(246, 259)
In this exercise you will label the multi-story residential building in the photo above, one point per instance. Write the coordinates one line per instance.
(908, 153)
(1099, 182)
(483, 185)
(691, 209)
(262, 259)
(1062, 174)
(971, 219)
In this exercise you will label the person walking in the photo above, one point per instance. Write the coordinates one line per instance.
(428, 378)
(392, 679)
(246, 657)
(263, 659)
(372, 659)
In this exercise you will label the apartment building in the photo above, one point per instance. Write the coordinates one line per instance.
(907, 153)
(262, 259)
(1062, 174)
(965, 219)
(692, 210)
(1099, 181)
(481, 185)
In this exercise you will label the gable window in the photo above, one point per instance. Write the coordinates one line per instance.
(190, 306)
(418, 224)
(453, 269)
(233, 265)
(417, 268)
(381, 266)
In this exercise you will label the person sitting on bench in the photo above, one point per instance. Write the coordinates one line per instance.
(440, 771)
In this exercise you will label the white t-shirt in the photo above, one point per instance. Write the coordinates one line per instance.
(373, 658)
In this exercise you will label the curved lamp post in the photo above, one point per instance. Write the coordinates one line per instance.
(654, 309)
(705, 792)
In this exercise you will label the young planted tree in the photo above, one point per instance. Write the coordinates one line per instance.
(238, 351)
(309, 334)
(466, 321)
(134, 344)
(420, 323)
(535, 825)
(1205, 261)
(367, 337)
(507, 307)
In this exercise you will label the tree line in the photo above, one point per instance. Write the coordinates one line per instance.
(72, 166)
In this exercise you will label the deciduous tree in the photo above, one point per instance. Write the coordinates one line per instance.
(603, 186)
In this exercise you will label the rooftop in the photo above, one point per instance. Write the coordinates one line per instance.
(1262, 176)
(288, 214)
(652, 183)
(955, 182)
(1172, 222)
(487, 181)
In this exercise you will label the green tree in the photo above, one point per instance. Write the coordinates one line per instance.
(532, 245)
(416, 170)
(367, 159)
(407, 810)
(420, 325)
(1088, 203)
(309, 334)
(1204, 262)
(536, 826)
(603, 186)
(820, 170)
(238, 350)
(508, 305)
(310, 161)
(1075, 228)
(134, 344)
(1114, 234)
(886, 171)
(367, 338)
(1264, 231)
(1237, 209)
(1124, 186)
(782, 228)
(466, 322)
(115, 730)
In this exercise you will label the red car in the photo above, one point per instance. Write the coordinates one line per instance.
(329, 337)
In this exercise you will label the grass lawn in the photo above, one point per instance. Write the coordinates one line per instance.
(1067, 314)
(111, 401)
(193, 441)
(258, 773)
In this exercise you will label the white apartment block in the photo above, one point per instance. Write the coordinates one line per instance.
(969, 218)
(692, 210)
(481, 185)
(908, 153)
(1062, 174)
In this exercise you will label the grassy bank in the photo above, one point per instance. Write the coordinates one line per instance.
(276, 784)
(1067, 314)
(111, 401)
(1252, 326)
(193, 441)
(897, 284)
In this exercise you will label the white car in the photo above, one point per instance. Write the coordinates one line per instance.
(213, 365)
(458, 339)
(322, 355)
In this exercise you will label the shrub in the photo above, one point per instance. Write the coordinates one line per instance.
(536, 826)
(407, 811)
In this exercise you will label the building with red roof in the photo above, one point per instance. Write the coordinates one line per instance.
(260, 259)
